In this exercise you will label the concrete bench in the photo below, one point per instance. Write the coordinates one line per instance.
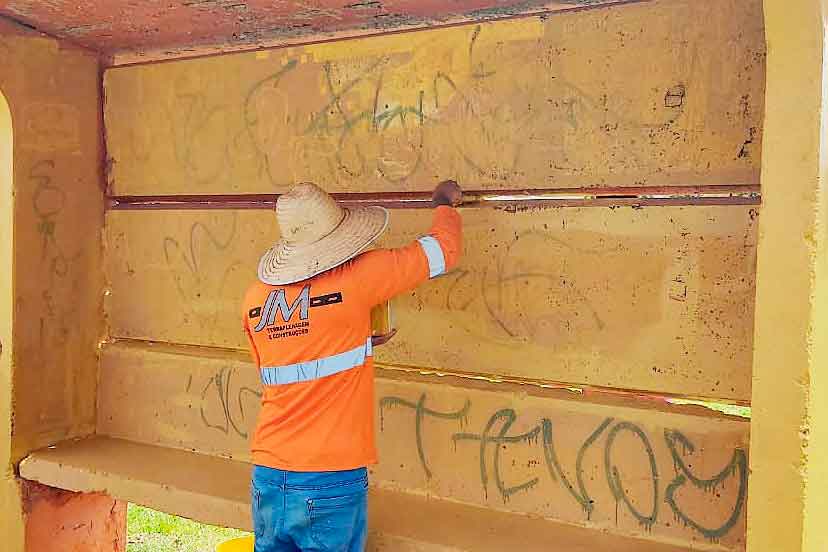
(216, 490)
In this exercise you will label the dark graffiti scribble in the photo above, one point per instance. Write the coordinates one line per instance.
(251, 120)
(614, 476)
(220, 387)
(48, 203)
(683, 475)
(190, 122)
(421, 412)
(321, 120)
(508, 416)
(496, 279)
(478, 70)
(556, 471)
(495, 436)
(338, 119)
(192, 259)
(379, 122)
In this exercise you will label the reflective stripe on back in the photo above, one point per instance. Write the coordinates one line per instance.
(435, 256)
(316, 369)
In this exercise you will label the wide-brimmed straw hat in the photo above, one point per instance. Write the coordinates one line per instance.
(317, 235)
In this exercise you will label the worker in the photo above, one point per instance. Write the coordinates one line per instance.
(308, 322)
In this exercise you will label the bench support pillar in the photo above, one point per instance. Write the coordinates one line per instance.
(57, 520)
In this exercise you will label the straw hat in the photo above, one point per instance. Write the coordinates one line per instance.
(317, 235)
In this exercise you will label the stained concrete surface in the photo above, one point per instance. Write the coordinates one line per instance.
(139, 31)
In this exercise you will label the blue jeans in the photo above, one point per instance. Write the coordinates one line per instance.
(310, 512)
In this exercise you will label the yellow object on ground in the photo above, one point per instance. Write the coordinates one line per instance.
(244, 544)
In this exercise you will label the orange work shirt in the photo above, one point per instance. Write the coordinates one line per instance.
(311, 342)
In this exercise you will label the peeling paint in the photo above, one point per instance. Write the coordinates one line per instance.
(84, 30)
(394, 20)
(366, 4)
(513, 8)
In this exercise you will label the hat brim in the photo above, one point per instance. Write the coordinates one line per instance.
(286, 263)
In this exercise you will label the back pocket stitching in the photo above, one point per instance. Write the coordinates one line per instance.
(346, 500)
(313, 506)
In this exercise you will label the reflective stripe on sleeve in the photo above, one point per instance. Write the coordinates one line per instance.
(435, 256)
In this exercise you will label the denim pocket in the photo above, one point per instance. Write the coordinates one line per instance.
(335, 521)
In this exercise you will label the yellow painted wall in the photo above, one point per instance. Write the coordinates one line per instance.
(53, 92)
(655, 299)
(543, 102)
(10, 518)
(545, 452)
(51, 317)
(239, 132)
(663, 92)
(670, 310)
(789, 446)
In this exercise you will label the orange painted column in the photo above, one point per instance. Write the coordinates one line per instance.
(62, 521)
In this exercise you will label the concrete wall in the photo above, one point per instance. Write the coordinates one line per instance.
(788, 503)
(525, 103)
(250, 123)
(670, 310)
(10, 522)
(655, 300)
(54, 96)
(629, 467)
(520, 104)
(52, 277)
(349, 116)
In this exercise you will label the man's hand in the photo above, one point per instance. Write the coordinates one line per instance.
(377, 340)
(447, 193)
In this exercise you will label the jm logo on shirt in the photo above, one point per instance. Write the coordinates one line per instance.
(276, 303)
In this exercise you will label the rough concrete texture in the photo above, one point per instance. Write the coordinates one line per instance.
(136, 31)
(62, 521)
(53, 261)
(669, 310)
(626, 466)
(528, 103)
(789, 462)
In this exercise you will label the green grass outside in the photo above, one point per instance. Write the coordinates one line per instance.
(151, 531)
